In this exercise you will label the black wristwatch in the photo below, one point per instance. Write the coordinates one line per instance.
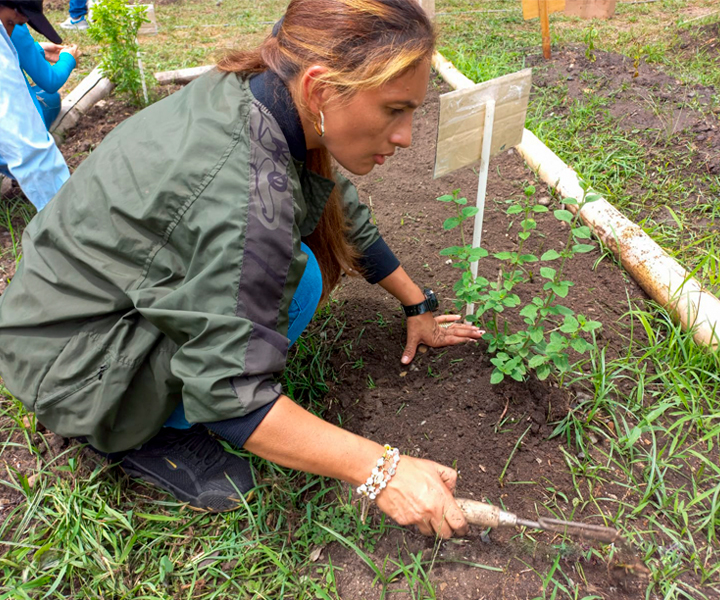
(428, 305)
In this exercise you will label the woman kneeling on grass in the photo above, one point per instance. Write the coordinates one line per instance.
(164, 284)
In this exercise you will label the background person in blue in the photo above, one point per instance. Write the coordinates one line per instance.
(28, 152)
(35, 60)
(78, 16)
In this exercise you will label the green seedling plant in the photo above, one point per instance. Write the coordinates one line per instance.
(590, 35)
(115, 27)
(550, 329)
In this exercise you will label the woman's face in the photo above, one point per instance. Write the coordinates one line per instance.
(363, 131)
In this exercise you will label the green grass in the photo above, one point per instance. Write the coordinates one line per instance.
(646, 438)
(190, 33)
(84, 531)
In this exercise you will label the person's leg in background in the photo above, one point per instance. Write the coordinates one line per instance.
(191, 464)
(78, 15)
(50, 104)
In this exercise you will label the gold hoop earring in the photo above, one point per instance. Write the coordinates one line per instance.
(320, 129)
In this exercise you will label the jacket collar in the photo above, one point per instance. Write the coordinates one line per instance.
(272, 93)
(270, 90)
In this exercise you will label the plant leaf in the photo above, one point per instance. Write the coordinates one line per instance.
(496, 377)
(451, 251)
(451, 223)
(548, 273)
(537, 360)
(563, 215)
(550, 255)
(580, 345)
(570, 325)
(561, 289)
(582, 232)
(529, 311)
(591, 325)
(542, 372)
(503, 255)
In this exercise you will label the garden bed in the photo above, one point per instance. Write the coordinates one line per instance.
(443, 406)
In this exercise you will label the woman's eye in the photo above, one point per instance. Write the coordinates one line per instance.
(396, 111)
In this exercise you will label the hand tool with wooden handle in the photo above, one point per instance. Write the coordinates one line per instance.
(487, 515)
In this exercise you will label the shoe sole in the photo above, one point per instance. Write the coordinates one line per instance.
(210, 502)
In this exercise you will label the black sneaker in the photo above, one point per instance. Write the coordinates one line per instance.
(193, 467)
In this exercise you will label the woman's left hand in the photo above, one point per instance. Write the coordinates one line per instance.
(426, 329)
(52, 51)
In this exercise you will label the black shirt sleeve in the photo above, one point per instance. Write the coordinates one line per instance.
(238, 430)
(378, 261)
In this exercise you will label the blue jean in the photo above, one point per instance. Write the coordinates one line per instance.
(302, 309)
(78, 8)
(49, 103)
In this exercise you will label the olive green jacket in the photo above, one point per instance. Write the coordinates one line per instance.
(164, 270)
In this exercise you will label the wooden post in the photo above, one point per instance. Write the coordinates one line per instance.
(545, 27)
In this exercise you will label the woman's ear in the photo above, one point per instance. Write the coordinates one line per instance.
(314, 91)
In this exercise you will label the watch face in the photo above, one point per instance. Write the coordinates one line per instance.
(432, 301)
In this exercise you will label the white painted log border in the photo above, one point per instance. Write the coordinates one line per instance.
(87, 94)
(662, 277)
(182, 75)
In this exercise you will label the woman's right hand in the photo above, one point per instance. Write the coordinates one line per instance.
(421, 493)
(73, 50)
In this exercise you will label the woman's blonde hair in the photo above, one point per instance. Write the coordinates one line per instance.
(363, 44)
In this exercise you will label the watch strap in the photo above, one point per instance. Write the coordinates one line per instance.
(428, 305)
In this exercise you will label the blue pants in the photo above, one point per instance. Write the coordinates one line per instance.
(302, 309)
(49, 103)
(78, 8)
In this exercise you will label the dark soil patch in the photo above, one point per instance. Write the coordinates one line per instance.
(443, 407)
(100, 120)
(55, 5)
(644, 101)
(703, 40)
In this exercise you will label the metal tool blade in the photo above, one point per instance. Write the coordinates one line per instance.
(586, 530)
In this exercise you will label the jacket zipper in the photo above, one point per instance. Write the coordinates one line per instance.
(62, 394)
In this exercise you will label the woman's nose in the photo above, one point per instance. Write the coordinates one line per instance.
(402, 136)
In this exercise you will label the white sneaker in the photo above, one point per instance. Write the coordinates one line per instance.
(80, 25)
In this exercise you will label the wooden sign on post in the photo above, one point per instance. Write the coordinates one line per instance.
(542, 9)
(462, 120)
(531, 8)
(429, 7)
(591, 9)
(477, 123)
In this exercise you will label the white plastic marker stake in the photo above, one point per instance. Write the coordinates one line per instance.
(478, 121)
(482, 187)
(142, 78)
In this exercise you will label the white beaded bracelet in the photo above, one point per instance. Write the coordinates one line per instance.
(381, 474)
